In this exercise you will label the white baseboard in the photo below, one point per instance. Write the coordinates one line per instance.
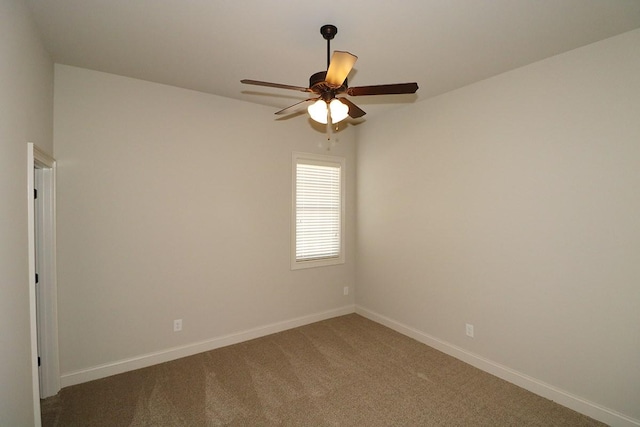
(540, 388)
(145, 360)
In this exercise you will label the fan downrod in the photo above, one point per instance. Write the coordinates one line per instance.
(328, 32)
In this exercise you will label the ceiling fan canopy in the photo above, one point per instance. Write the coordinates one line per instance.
(326, 106)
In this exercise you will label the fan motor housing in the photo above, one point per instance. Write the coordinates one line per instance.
(317, 78)
(318, 85)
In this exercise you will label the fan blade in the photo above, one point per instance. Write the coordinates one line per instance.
(276, 85)
(392, 89)
(340, 67)
(354, 111)
(292, 108)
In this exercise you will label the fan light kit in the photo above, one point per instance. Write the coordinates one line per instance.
(336, 111)
(326, 107)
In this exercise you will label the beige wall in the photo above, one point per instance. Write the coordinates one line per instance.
(174, 204)
(26, 94)
(514, 204)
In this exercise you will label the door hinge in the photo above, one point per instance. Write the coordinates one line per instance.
(38, 360)
(37, 277)
(35, 193)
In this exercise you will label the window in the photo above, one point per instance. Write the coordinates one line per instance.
(317, 213)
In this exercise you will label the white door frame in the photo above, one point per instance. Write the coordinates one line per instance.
(41, 172)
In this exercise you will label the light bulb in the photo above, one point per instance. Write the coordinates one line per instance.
(318, 111)
(339, 111)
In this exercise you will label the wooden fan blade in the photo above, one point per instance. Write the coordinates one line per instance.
(340, 67)
(391, 89)
(276, 85)
(354, 111)
(294, 107)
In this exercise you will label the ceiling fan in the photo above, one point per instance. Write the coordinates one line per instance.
(327, 107)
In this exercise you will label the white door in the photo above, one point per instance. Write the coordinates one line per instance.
(42, 267)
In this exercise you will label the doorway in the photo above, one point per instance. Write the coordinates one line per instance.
(41, 169)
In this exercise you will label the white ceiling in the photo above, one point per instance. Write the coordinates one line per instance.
(209, 45)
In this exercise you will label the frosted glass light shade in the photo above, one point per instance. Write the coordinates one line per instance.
(339, 111)
(318, 111)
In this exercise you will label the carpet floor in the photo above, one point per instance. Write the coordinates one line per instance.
(345, 371)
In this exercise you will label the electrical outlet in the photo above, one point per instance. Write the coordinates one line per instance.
(469, 329)
(346, 290)
(177, 325)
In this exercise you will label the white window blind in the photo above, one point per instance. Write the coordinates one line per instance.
(318, 212)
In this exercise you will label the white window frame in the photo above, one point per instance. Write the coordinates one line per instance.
(322, 160)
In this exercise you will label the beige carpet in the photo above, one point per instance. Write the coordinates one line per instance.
(346, 371)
